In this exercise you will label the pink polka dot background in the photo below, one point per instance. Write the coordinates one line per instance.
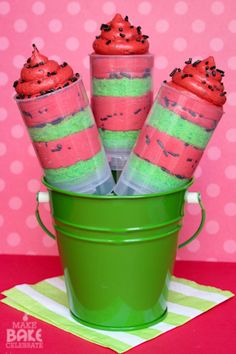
(178, 30)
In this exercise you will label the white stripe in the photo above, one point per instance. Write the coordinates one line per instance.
(182, 310)
(201, 294)
(58, 283)
(163, 327)
(63, 311)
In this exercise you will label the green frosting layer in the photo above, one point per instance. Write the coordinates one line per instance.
(172, 124)
(118, 139)
(153, 176)
(79, 171)
(70, 125)
(121, 87)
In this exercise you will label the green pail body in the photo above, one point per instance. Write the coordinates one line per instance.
(117, 254)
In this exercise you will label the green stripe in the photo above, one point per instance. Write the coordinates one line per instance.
(191, 301)
(52, 292)
(175, 319)
(146, 333)
(117, 139)
(169, 122)
(70, 125)
(121, 87)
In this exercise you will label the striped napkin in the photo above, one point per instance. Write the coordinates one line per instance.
(47, 301)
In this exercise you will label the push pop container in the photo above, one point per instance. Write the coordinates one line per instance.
(66, 140)
(170, 144)
(121, 87)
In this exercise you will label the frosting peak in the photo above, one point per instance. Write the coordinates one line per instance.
(119, 37)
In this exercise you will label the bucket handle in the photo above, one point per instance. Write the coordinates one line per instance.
(194, 198)
(42, 197)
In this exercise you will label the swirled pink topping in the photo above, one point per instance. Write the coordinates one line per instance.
(119, 37)
(41, 75)
(201, 78)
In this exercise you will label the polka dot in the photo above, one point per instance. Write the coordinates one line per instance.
(217, 7)
(17, 131)
(232, 26)
(48, 242)
(3, 114)
(38, 7)
(33, 185)
(31, 151)
(90, 26)
(13, 239)
(231, 98)
(3, 149)
(232, 63)
(181, 7)
(212, 227)
(213, 190)
(230, 246)
(144, 8)
(161, 62)
(3, 79)
(72, 43)
(86, 62)
(2, 184)
(56, 58)
(55, 25)
(216, 44)
(15, 203)
(194, 246)
(193, 209)
(38, 41)
(20, 25)
(16, 167)
(198, 172)
(231, 135)
(230, 209)
(213, 153)
(73, 8)
(19, 61)
(198, 26)
(4, 43)
(109, 8)
(31, 222)
(230, 172)
(180, 44)
(4, 7)
(162, 26)
(1, 220)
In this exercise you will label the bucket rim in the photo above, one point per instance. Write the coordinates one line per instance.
(112, 197)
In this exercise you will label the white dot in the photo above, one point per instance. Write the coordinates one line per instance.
(20, 25)
(86, 62)
(180, 44)
(217, 7)
(230, 246)
(1, 220)
(162, 26)
(3, 79)
(198, 26)
(231, 135)
(4, 7)
(232, 63)
(213, 153)
(217, 44)
(3, 114)
(230, 209)
(212, 227)
(55, 25)
(19, 61)
(144, 8)
(232, 26)
(2, 184)
(90, 26)
(231, 98)
(38, 41)
(3, 149)
(48, 242)
(194, 246)
(16, 167)
(38, 7)
(4, 43)
(161, 62)
(72, 43)
(31, 151)
(181, 7)
(73, 8)
(198, 172)
(213, 190)
(193, 209)
(230, 172)
(13, 239)
(31, 222)
(15, 203)
(33, 185)
(109, 8)
(17, 131)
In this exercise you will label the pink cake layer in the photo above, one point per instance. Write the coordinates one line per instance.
(165, 151)
(70, 149)
(121, 113)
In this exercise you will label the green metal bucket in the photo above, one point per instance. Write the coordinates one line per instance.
(117, 253)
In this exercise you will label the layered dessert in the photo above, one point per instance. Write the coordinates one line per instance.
(181, 122)
(54, 105)
(121, 86)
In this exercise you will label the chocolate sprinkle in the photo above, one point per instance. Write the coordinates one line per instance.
(108, 42)
(120, 29)
(189, 61)
(138, 110)
(28, 60)
(196, 62)
(139, 29)
(15, 83)
(212, 67)
(173, 72)
(38, 82)
(145, 36)
(98, 37)
(223, 93)
(122, 35)
(164, 81)
(131, 27)
(66, 84)
(126, 18)
(184, 76)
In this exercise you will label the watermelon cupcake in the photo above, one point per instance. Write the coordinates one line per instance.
(181, 122)
(121, 86)
(54, 106)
